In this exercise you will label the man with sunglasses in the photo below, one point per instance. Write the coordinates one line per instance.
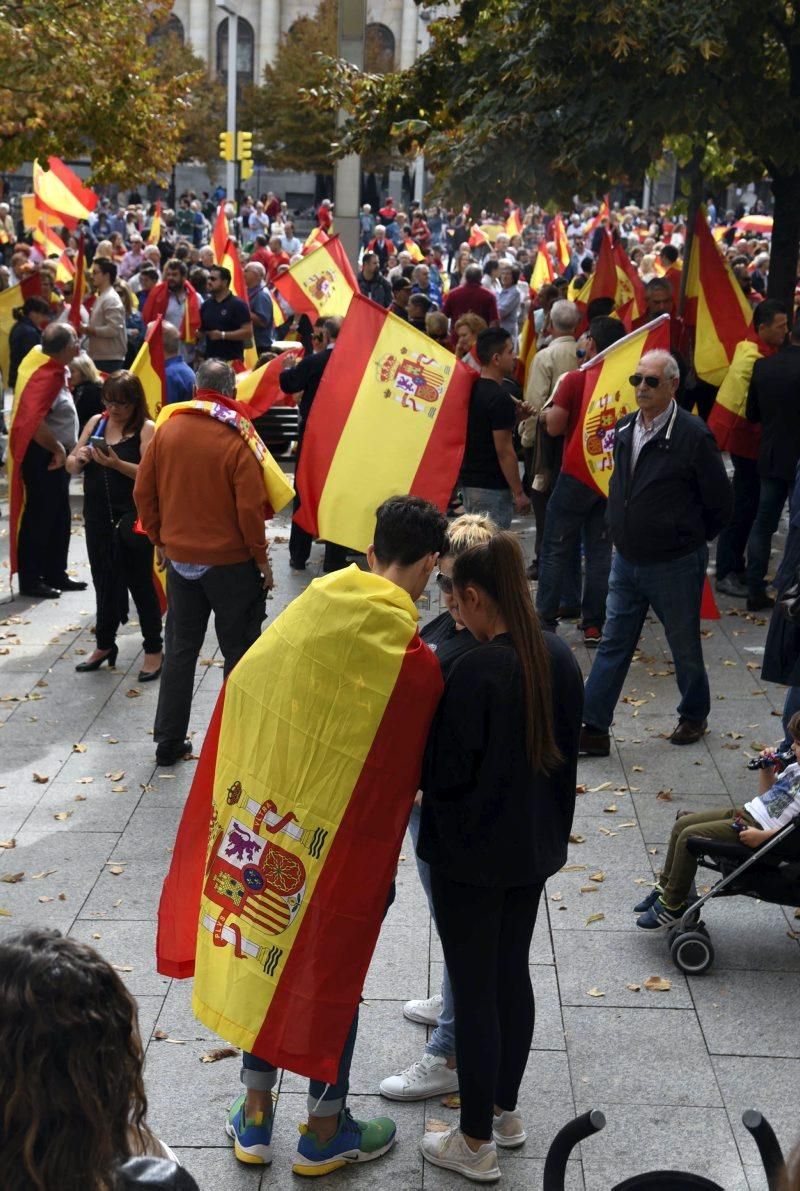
(669, 496)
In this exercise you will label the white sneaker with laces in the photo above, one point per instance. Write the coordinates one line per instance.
(425, 1012)
(428, 1076)
(508, 1129)
(450, 1151)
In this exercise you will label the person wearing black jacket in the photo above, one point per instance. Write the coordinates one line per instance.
(669, 496)
(499, 782)
(30, 319)
(371, 281)
(773, 399)
(305, 377)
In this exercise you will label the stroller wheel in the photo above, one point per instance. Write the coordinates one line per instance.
(692, 952)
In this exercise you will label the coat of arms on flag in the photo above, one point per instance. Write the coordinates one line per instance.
(413, 380)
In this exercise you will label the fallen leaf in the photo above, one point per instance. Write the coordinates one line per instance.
(793, 934)
(116, 870)
(630, 823)
(62, 815)
(146, 787)
(610, 810)
(594, 992)
(112, 740)
(573, 868)
(119, 789)
(79, 798)
(599, 877)
(116, 776)
(556, 897)
(122, 967)
(62, 897)
(605, 831)
(657, 984)
(796, 913)
(5, 913)
(728, 663)
(222, 1052)
(653, 851)
(581, 789)
(41, 779)
(43, 682)
(597, 789)
(638, 768)
(577, 839)
(118, 903)
(8, 843)
(46, 872)
(664, 796)
(452, 1101)
(133, 693)
(634, 987)
(160, 1036)
(594, 918)
(45, 898)
(12, 878)
(432, 1125)
(84, 781)
(96, 936)
(79, 748)
(589, 889)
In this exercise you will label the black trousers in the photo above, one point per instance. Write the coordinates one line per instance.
(116, 570)
(236, 597)
(486, 938)
(732, 541)
(44, 533)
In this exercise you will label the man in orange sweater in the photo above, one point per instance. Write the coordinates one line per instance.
(200, 497)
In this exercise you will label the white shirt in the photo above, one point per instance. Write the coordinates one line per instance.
(643, 434)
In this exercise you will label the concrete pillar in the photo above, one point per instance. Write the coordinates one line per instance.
(197, 31)
(268, 36)
(408, 35)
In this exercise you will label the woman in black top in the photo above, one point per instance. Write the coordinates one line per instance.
(499, 781)
(30, 319)
(121, 559)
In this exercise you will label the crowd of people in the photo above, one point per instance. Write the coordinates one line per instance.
(497, 776)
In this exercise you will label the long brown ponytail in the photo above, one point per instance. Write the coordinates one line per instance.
(498, 568)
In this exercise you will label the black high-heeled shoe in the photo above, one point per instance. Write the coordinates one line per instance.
(110, 657)
(149, 675)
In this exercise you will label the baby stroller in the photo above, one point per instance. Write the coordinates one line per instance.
(770, 873)
(555, 1167)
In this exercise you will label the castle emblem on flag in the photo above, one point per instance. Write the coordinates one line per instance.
(602, 414)
(321, 286)
(414, 381)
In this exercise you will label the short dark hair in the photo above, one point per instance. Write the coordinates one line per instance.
(368, 256)
(767, 311)
(420, 300)
(657, 283)
(224, 273)
(605, 331)
(669, 253)
(149, 271)
(406, 529)
(175, 263)
(107, 267)
(489, 342)
(399, 283)
(125, 387)
(598, 307)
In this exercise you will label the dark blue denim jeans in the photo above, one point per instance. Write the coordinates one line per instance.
(324, 1100)
(573, 508)
(770, 506)
(674, 591)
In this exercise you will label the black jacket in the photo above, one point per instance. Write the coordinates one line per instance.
(154, 1174)
(305, 378)
(679, 496)
(773, 399)
(488, 818)
(24, 336)
(378, 289)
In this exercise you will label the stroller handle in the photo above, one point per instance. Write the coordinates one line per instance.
(562, 1145)
(768, 1147)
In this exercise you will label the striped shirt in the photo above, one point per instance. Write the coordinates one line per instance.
(643, 434)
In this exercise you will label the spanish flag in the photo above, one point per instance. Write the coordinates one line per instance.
(527, 348)
(59, 192)
(563, 254)
(513, 224)
(727, 420)
(39, 381)
(10, 300)
(389, 418)
(630, 299)
(477, 236)
(150, 369)
(543, 272)
(289, 839)
(79, 286)
(603, 281)
(413, 249)
(231, 262)
(260, 389)
(154, 235)
(156, 307)
(315, 239)
(603, 213)
(715, 306)
(321, 283)
(607, 397)
(48, 240)
(219, 236)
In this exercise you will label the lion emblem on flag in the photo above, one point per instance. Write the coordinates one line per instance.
(414, 381)
(321, 286)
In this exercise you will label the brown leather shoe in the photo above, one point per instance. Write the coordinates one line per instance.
(594, 743)
(688, 733)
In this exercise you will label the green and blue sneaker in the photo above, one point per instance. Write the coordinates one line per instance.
(354, 1141)
(661, 916)
(251, 1136)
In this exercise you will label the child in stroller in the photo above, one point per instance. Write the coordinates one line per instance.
(777, 804)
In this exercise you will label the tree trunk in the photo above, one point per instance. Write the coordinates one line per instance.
(695, 198)
(785, 239)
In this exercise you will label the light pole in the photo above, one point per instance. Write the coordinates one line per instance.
(229, 7)
(347, 176)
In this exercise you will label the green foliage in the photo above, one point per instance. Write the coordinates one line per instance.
(80, 79)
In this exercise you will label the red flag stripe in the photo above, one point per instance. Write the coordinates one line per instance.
(447, 441)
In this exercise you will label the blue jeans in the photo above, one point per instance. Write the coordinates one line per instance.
(770, 506)
(572, 508)
(497, 502)
(443, 1039)
(674, 591)
(324, 1100)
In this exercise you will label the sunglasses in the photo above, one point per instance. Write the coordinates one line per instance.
(316, 337)
(444, 584)
(114, 401)
(652, 382)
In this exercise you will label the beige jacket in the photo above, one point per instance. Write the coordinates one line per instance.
(548, 366)
(107, 338)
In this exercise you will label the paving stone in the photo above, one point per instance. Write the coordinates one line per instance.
(399, 968)
(143, 851)
(729, 1003)
(767, 1085)
(639, 1057)
(608, 963)
(176, 1017)
(614, 899)
(98, 810)
(216, 1167)
(518, 1174)
(126, 944)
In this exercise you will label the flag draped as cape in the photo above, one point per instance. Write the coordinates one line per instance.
(289, 840)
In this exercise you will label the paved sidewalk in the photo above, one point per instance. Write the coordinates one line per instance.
(672, 1070)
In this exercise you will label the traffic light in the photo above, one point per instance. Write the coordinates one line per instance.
(226, 146)
(244, 146)
(246, 170)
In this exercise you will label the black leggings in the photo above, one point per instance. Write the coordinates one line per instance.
(486, 938)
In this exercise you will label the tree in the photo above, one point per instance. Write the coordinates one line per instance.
(535, 96)
(204, 101)
(80, 80)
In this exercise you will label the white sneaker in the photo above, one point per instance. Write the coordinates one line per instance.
(450, 1151)
(425, 1012)
(508, 1129)
(429, 1076)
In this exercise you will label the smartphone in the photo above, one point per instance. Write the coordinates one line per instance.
(99, 444)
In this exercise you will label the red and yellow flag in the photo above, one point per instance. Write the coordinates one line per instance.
(477, 236)
(39, 381)
(48, 240)
(321, 283)
(513, 224)
(154, 235)
(10, 299)
(715, 306)
(79, 286)
(727, 420)
(603, 213)
(563, 254)
(307, 777)
(149, 367)
(260, 389)
(413, 249)
(607, 397)
(231, 262)
(543, 272)
(60, 192)
(219, 236)
(389, 418)
(315, 239)
(527, 349)
(630, 300)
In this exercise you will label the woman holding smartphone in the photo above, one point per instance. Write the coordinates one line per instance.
(499, 782)
(108, 452)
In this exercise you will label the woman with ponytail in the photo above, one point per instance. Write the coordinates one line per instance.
(499, 783)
